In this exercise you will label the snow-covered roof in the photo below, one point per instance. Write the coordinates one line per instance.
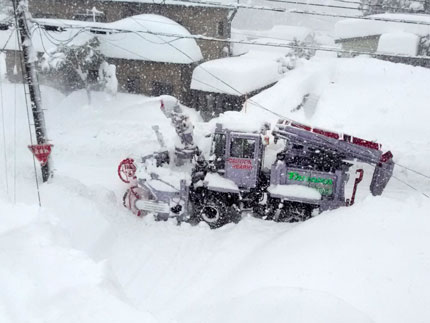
(278, 32)
(351, 28)
(237, 75)
(240, 48)
(398, 43)
(126, 44)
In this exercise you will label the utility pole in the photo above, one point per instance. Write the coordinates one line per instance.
(29, 55)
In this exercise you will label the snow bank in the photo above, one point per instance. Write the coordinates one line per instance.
(288, 304)
(236, 75)
(83, 257)
(44, 280)
(350, 28)
(357, 260)
(398, 43)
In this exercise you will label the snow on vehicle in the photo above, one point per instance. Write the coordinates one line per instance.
(308, 176)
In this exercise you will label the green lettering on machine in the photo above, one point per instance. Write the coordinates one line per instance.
(314, 180)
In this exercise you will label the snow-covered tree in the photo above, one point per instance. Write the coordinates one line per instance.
(379, 6)
(298, 51)
(107, 78)
(82, 66)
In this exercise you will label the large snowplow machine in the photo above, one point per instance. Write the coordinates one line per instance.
(308, 176)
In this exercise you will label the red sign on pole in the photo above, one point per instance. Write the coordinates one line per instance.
(41, 152)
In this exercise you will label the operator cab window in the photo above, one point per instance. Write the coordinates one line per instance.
(218, 145)
(242, 148)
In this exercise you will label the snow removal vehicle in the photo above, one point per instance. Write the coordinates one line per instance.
(308, 176)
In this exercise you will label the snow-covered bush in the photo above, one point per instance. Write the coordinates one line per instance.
(379, 6)
(107, 78)
(424, 46)
(298, 51)
(81, 66)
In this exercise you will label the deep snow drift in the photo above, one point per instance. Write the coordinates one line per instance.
(83, 258)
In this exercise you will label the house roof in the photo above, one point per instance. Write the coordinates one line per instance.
(119, 39)
(278, 32)
(358, 28)
(237, 75)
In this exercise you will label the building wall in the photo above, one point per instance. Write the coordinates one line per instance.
(152, 78)
(362, 44)
(212, 104)
(134, 76)
(370, 44)
(200, 20)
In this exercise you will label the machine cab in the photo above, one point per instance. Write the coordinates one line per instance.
(238, 156)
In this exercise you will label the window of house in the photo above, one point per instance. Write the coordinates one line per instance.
(132, 85)
(92, 15)
(242, 148)
(160, 88)
(221, 28)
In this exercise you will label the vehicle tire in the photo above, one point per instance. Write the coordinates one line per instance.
(214, 213)
(298, 212)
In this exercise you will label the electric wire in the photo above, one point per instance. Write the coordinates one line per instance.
(373, 5)
(312, 4)
(411, 186)
(274, 113)
(219, 79)
(7, 41)
(298, 11)
(371, 18)
(4, 132)
(14, 134)
(357, 8)
(269, 44)
(413, 171)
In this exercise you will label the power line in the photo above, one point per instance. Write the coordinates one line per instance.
(313, 4)
(247, 42)
(373, 5)
(359, 8)
(411, 186)
(282, 45)
(298, 11)
(414, 171)
(372, 18)
(4, 132)
(7, 41)
(233, 5)
(263, 107)
(224, 82)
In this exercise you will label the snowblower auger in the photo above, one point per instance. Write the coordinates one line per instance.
(308, 176)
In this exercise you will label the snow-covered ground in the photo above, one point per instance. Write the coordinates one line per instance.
(83, 258)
